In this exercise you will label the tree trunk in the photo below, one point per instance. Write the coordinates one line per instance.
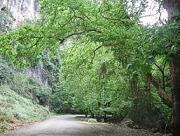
(147, 88)
(175, 65)
(173, 9)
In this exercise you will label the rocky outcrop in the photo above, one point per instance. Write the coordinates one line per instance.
(14, 13)
(22, 11)
(39, 73)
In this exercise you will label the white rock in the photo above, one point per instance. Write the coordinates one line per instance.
(91, 120)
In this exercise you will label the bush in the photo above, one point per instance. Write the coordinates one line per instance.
(30, 88)
(14, 105)
(6, 73)
(5, 120)
(60, 100)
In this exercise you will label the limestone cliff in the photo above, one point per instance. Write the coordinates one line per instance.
(22, 11)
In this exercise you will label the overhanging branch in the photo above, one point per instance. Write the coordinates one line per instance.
(78, 33)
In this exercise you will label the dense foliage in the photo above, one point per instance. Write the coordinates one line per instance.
(100, 59)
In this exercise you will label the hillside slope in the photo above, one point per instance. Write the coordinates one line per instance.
(15, 107)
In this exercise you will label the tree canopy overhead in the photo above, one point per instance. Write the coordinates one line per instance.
(110, 62)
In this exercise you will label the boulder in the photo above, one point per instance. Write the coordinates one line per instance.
(91, 120)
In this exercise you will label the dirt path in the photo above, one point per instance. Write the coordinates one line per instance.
(69, 125)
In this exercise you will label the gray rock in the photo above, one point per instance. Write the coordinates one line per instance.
(158, 134)
(168, 134)
(91, 120)
(136, 127)
(128, 123)
(21, 10)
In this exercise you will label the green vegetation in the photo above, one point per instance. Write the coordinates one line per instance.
(30, 88)
(95, 86)
(21, 97)
(101, 61)
(15, 106)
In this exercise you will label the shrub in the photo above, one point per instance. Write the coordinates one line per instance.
(30, 88)
(6, 73)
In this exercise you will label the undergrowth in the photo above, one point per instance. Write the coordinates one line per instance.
(14, 106)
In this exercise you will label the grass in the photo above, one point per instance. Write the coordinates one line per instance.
(14, 106)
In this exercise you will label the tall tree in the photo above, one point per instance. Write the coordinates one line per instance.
(173, 9)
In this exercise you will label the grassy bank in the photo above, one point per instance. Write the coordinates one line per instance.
(15, 107)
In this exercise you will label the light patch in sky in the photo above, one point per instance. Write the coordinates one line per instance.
(151, 16)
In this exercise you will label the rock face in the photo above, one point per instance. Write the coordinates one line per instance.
(22, 11)
(14, 13)
(39, 73)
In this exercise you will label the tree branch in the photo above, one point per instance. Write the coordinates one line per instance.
(160, 69)
(164, 97)
(94, 52)
(78, 33)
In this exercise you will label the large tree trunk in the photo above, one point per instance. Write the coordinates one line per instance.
(175, 65)
(173, 9)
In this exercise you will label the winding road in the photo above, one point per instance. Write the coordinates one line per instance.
(71, 125)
